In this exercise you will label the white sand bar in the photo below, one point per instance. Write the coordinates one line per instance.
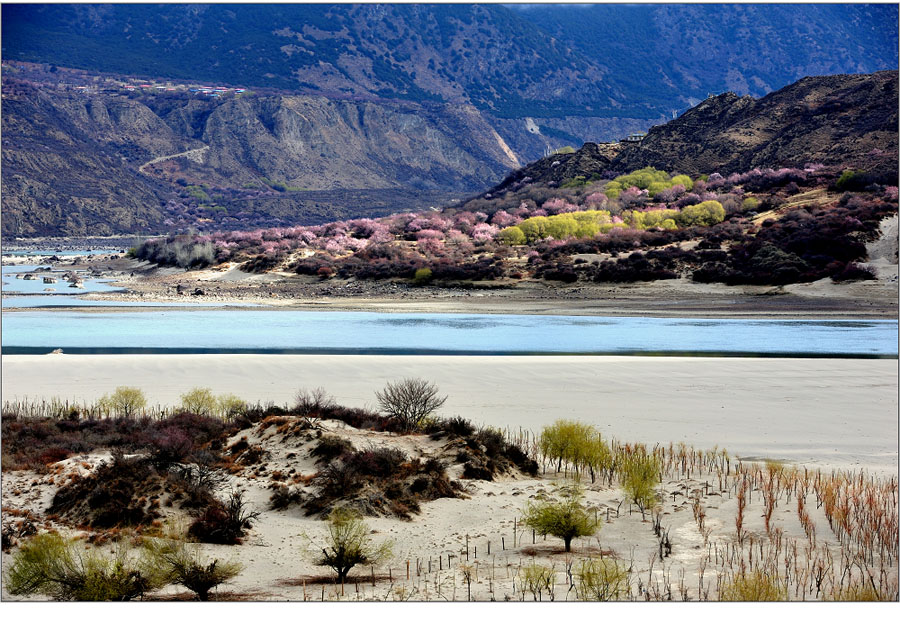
(824, 412)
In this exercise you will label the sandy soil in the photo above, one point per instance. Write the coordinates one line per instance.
(480, 533)
(818, 411)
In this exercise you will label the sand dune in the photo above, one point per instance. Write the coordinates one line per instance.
(824, 412)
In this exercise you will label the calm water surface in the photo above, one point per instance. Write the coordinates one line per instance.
(41, 329)
(265, 331)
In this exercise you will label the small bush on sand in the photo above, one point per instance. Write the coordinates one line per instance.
(52, 565)
(187, 567)
(329, 448)
(284, 496)
(537, 580)
(380, 462)
(639, 476)
(458, 426)
(313, 403)
(224, 523)
(861, 592)
(422, 277)
(754, 586)
(410, 402)
(349, 544)
(602, 580)
(565, 519)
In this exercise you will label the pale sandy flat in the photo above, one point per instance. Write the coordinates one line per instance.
(822, 412)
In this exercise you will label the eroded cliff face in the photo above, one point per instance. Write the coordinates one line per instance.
(106, 163)
(69, 165)
(846, 120)
(319, 144)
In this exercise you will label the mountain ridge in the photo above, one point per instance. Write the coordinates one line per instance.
(843, 120)
(511, 61)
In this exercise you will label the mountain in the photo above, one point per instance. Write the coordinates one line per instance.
(516, 61)
(484, 54)
(672, 56)
(78, 163)
(351, 110)
(848, 121)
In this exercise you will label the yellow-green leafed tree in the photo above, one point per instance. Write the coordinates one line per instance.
(639, 476)
(512, 235)
(565, 518)
(683, 180)
(705, 213)
(349, 544)
(125, 402)
(200, 401)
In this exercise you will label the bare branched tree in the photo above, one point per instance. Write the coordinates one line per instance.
(410, 402)
(312, 403)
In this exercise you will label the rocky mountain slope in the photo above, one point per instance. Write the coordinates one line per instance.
(848, 121)
(674, 55)
(513, 61)
(76, 163)
(367, 109)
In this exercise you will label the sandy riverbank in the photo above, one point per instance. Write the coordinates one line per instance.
(840, 413)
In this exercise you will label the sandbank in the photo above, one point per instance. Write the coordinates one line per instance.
(820, 412)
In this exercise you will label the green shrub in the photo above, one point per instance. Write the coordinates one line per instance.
(852, 180)
(612, 189)
(755, 586)
(576, 182)
(639, 477)
(641, 220)
(602, 580)
(683, 180)
(188, 568)
(705, 213)
(349, 544)
(52, 565)
(566, 518)
(750, 204)
(422, 276)
(537, 579)
(642, 179)
(580, 224)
